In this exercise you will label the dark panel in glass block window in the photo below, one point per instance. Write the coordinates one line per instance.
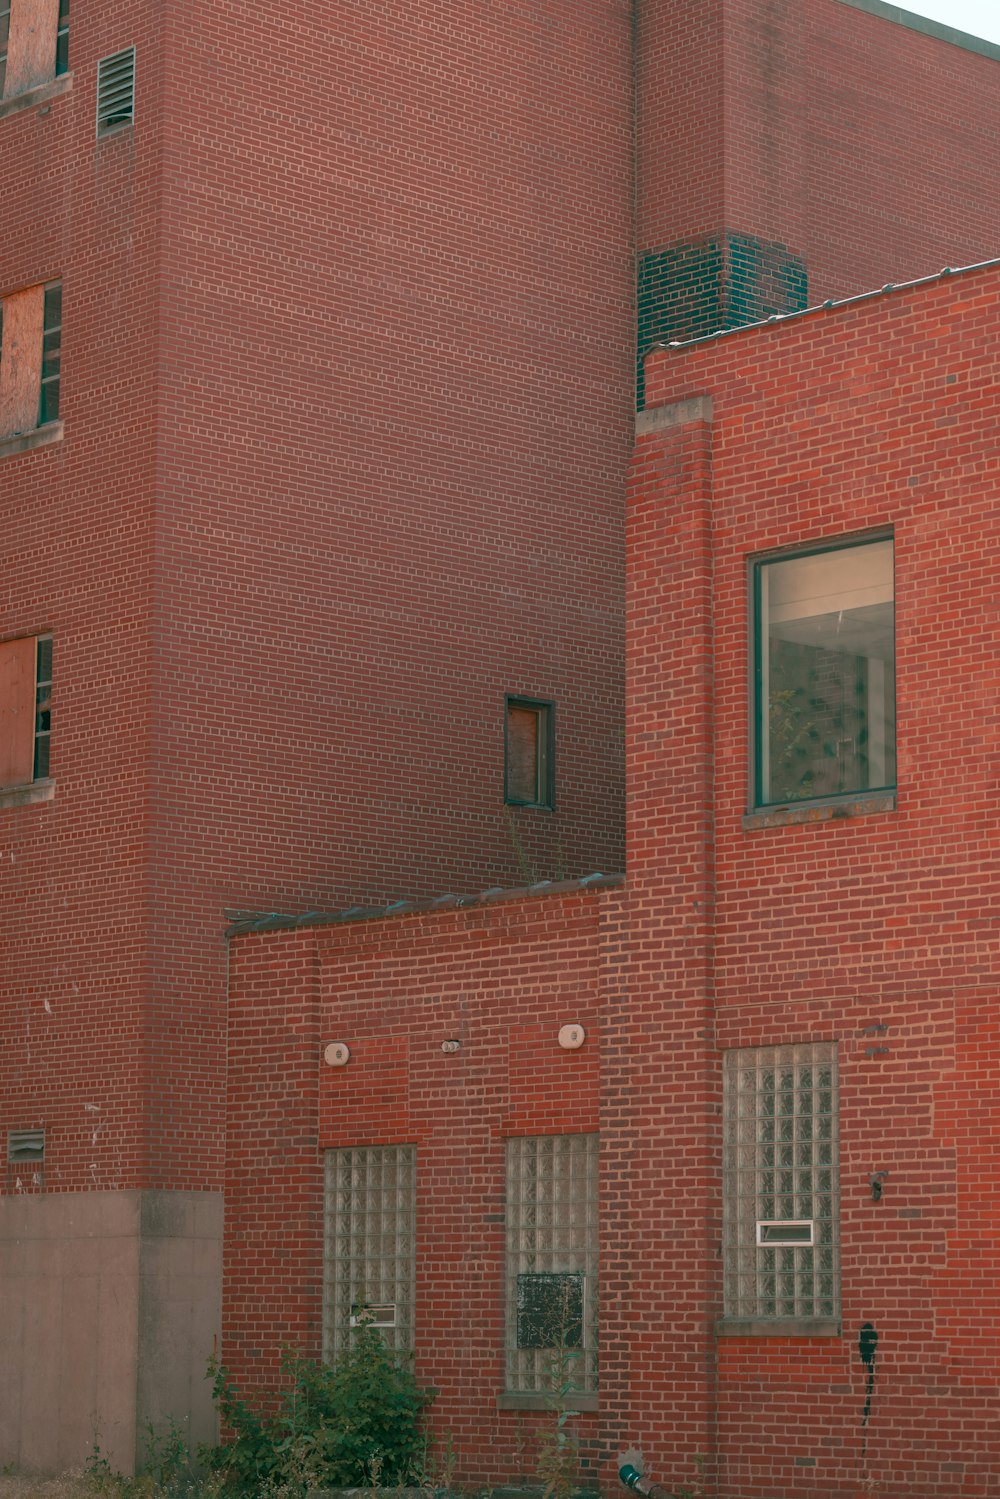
(550, 1311)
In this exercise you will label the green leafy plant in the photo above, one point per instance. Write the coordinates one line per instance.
(333, 1426)
(559, 1446)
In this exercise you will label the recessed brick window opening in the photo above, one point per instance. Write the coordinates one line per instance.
(34, 44)
(529, 779)
(30, 344)
(552, 1260)
(824, 670)
(780, 1162)
(370, 1253)
(25, 710)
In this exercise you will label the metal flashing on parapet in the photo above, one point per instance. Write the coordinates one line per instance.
(270, 921)
(937, 29)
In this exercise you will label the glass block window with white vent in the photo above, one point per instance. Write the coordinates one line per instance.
(369, 1261)
(551, 1302)
(780, 1160)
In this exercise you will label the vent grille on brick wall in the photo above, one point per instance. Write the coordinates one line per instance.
(116, 91)
(25, 1147)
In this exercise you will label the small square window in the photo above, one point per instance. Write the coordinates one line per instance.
(25, 710)
(824, 674)
(529, 779)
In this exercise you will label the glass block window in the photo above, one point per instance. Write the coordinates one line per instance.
(780, 1165)
(369, 1260)
(551, 1259)
(824, 667)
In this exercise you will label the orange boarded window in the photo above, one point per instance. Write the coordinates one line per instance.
(18, 690)
(34, 43)
(30, 344)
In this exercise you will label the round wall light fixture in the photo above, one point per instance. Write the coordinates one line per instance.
(571, 1037)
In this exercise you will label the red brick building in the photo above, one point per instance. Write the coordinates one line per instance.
(316, 392)
(781, 1028)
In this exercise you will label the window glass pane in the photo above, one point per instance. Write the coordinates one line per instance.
(826, 674)
(51, 354)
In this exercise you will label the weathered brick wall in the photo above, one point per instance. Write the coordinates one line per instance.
(75, 560)
(346, 394)
(844, 151)
(499, 977)
(877, 414)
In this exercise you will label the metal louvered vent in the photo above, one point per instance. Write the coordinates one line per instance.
(115, 91)
(25, 1147)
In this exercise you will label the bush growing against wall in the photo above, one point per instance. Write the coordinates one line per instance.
(345, 1425)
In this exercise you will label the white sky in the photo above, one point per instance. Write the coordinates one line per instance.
(979, 17)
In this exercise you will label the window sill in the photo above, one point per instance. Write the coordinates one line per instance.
(527, 1401)
(23, 442)
(778, 1327)
(40, 94)
(834, 809)
(27, 796)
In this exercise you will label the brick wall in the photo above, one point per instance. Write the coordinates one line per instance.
(326, 493)
(872, 930)
(501, 978)
(846, 150)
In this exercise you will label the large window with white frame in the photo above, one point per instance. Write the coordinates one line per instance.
(824, 718)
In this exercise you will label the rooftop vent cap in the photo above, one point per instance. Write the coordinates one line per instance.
(116, 91)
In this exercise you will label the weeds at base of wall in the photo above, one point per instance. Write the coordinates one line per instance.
(355, 1424)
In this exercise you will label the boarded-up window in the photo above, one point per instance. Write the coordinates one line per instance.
(32, 32)
(529, 753)
(21, 360)
(18, 689)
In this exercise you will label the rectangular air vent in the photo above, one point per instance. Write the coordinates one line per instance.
(116, 91)
(374, 1316)
(785, 1231)
(25, 1147)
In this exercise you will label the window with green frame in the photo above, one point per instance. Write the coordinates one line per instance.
(824, 715)
(529, 753)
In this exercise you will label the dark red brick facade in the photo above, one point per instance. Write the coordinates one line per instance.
(349, 338)
(869, 928)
